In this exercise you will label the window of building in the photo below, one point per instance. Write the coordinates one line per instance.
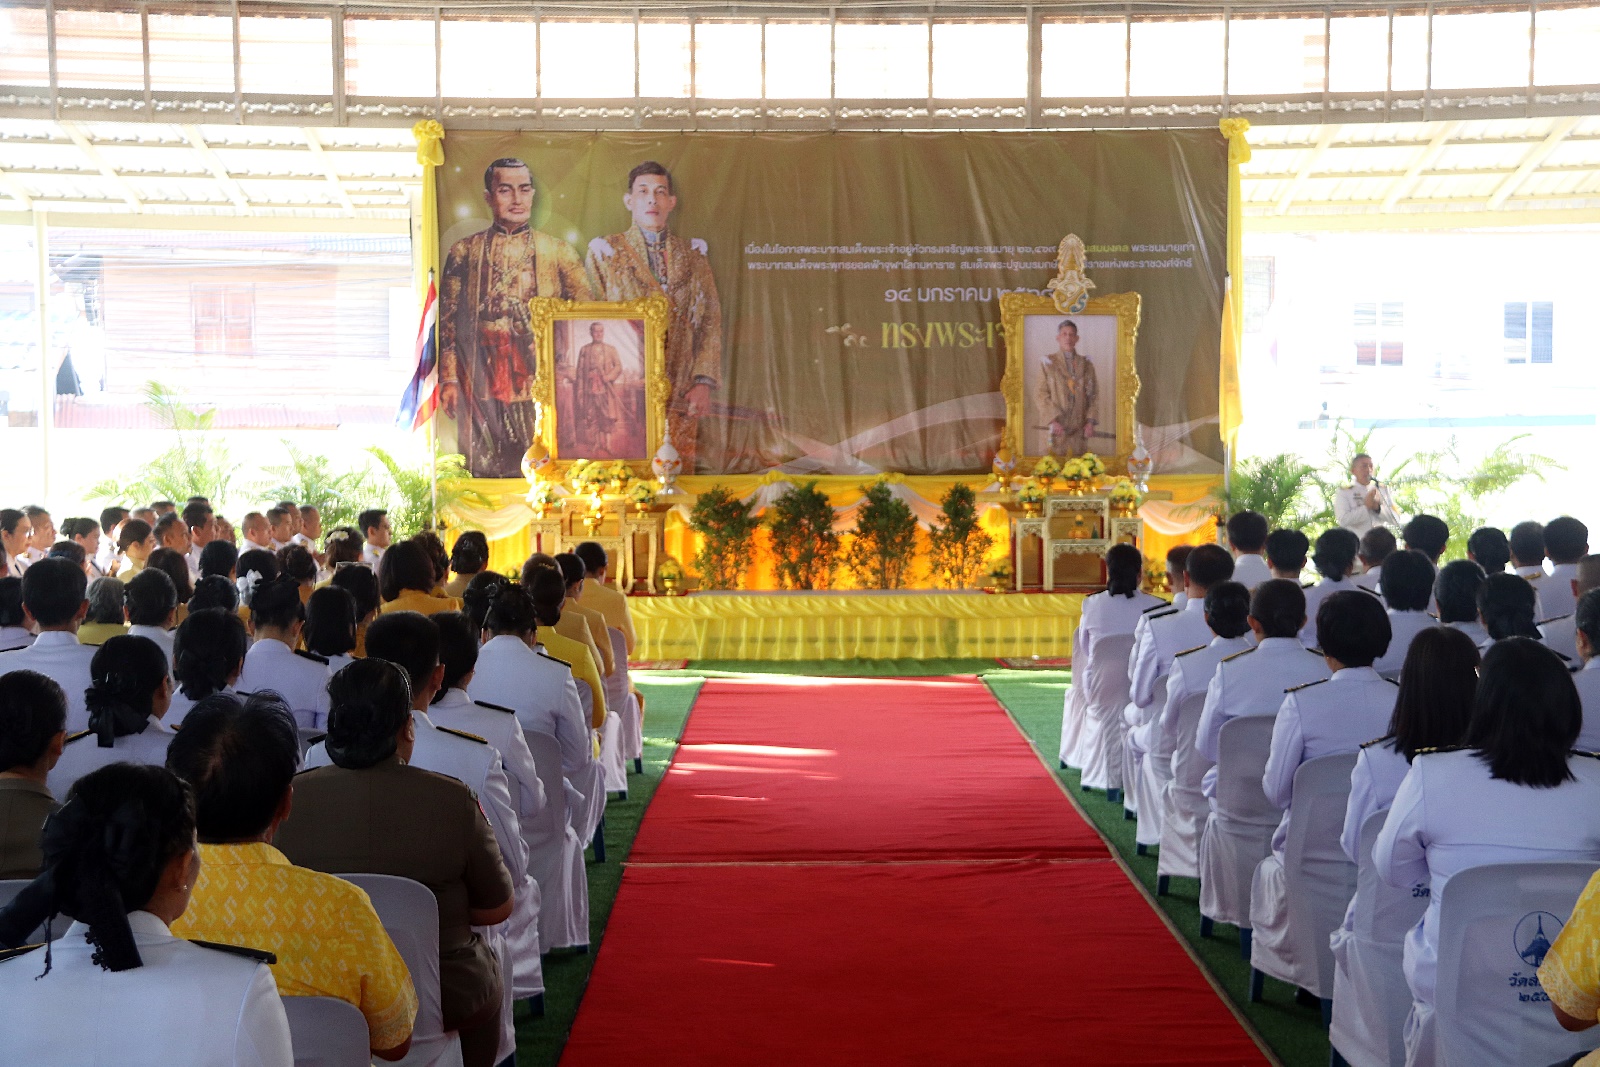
(1530, 331)
(1258, 286)
(1379, 333)
(224, 318)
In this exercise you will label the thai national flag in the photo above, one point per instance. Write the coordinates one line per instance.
(421, 397)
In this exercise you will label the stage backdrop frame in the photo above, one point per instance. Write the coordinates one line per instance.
(544, 312)
(1015, 310)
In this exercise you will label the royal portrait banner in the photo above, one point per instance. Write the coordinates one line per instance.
(833, 298)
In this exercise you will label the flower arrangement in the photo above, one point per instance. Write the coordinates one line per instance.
(670, 574)
(642, 495)
(1125, 495)
(1031, 496)
(1083, 468)
(1000, 575)
(1047, 467)
(587, 475)
(619, 473)
(542, 495)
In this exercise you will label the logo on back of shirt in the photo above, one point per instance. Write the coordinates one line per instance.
(1533, 936)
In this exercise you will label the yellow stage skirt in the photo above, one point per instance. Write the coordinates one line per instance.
(845, 625)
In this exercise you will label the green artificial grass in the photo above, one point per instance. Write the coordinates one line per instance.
(668, 698)
(1294, 1033)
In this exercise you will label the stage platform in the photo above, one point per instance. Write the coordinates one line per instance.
(923, 624)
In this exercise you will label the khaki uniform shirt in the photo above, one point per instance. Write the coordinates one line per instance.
(24, 806)
(412, 823)
(612, 606)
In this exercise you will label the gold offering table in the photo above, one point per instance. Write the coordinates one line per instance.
(632, 536)
(1061, 541)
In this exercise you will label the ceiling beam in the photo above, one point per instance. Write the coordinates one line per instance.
(92, 154)
(16, 191)
(1530, 163)
(1425, 159)
(1325, 138)
(214, 164)
(325, 162)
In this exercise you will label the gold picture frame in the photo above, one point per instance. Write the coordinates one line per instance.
(557, 345)
(1113, 322)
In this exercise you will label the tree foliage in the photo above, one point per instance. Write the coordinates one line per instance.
(193, 465)
(800, 523)
(1283, 487)
(417, 495)
(311, 480)
(957, 544)
(881, 550)
(729, 530)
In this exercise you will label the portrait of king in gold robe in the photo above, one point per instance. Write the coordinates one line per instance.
(1068, 394)
(486, 357)
(649, 259)
(600, 394)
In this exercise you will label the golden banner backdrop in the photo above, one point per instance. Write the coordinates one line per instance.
(834, 298)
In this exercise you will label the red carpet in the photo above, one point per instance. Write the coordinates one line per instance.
(853, 768)
(786, 939)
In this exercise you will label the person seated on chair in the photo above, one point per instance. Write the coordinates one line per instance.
(1117, 608)
(1376, 546)
(1507, 606)
(1561, 632)
(1286, 554)
(108, 612)
(1406, 591)
(1514, 793)
(1162, 634)
(1527, 549)
(1252, 682)
(564, 635)
(1570, 973)
(1488, 547)
(372, 812)
(296, 563)
(1587, 679)
(1437, 687)
(219, 559)
(1566, 540)
(152, 602)
(1427, 534)
(576, 573)
(208, 654)
(1335, 560)
(33, 727)
(239, 755)
(1177, 559)
(609, 601)
(1247, 538)
(437, 555)
(360, 581)
(331, 626)
(469, 557)
(406, 580)
(1455, 591)
(276, 661)
(129, 693)
(120, 857)
(53, 601)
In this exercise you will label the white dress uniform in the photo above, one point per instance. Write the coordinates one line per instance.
(1404, 626)
(16, 565)
(540, 689)
(1326, 718)
(188, 1004)
(301, 678)
(247, 545)
(1473, 629)
(1104, 615)
(1369, 580)
(1450, 815)
(1587, 681)
(1555, 592)
(1379, 770)
(1252, 682)
(1561, 635)
(1250, 570)
(57, 654)
(193, 559)
(182, 705)
(1315, 595)
(1350, 509)
(1167, 634)
(161, 636)
(83, 754)
(1192, 671)
(106, 553)
(14, 637)
(371, 554)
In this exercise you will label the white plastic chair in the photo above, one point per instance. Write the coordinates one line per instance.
(1101, 742)
(327, 1032)
(1313, 888)
(1146, 768)
(9, 888)
(1238, 833)
(410, 916)
(626, 703)
(1184, 807)
(555, 855)
(1072, 704)
(1495, 925)
(1370, 997)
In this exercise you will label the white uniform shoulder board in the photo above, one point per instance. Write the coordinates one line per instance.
(1369, 592)
(20, 950)
(1164, 614)
(79, 736)
(1440, 748)
(1308, 585)
(1374, 741)
(1553, 618)
(493, 707)
(463, 733)
(1393, 681)
(1591, 755)
(1165, 604)
(1304, 685)
(260, 955)
(1315, 652)
(1236, 655)
(1196, 648)
(313, 657)
(553, 659)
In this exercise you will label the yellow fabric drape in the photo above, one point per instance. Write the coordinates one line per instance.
(806, 626)
(1230, 410)
(429, 136)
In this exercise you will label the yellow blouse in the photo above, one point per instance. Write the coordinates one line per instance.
(416, 600)
(324, 931)
(1570, 973)
(98, 633)
(576, 655)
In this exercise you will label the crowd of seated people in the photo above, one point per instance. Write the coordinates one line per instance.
(1467, 691)
(184, 786)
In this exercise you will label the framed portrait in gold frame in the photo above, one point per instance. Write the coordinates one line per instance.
(601, 385)
(1070, 383)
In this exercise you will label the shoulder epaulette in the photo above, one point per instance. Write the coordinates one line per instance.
(1439, 748)
(1531, 578)
(1432, 615)
(493, 707)
(1393, 681)
(260, 955)
(1241, 652)
(1564, 657)
(313, 657)
(1164, 614)
(1097, 592)
(1369, 592)
(1374, 741)
(20, 950)
(463, 733)
(1575, 668)
(1315, 651)
(1308, 585)
(79, 736)
(1553, 618)
(1591, 755)
(554, 659)
(1304, 685)
(1157, 607)
(313, 739)
(1196, 648)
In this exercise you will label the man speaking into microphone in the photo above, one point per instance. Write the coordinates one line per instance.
(1365, 504)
